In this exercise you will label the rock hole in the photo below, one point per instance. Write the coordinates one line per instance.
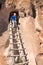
(33, 11)
(17, 15)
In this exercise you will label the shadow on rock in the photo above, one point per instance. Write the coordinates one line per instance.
(3, 27)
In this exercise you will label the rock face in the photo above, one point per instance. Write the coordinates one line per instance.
(2, 59)
(2, 27)
(24, 5)
(20, 4)
(3, 21)
(30, 38)
(27, 28)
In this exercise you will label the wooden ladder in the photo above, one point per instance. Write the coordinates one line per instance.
(17, 51)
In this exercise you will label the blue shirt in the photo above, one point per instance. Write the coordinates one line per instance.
(13, 18)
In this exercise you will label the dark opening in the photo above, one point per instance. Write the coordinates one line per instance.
(37, 1)
(41, 6)
(33, 11)
(2, 3)
(17, 15)
(0, 6)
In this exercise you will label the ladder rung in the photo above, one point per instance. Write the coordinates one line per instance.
(18, 55)
(16, 34)
(26, 62)
(14, 43)
(14, 30)
(17, 43)
(10, 26)
(18, 49)
(21, 63)
(10, 23)
(16, 38)
(10, 33)
(10, 38)
(10, 30)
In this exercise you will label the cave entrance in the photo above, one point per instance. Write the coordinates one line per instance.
(17, 15)
(33, 11)
(0, 5)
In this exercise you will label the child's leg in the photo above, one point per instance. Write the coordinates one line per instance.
(13, 23)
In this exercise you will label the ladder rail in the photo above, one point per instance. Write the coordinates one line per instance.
(14, 44)
(22, 44)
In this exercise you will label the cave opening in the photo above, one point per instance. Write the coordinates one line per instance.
(0, 6)
(33, 11)
(17, 15)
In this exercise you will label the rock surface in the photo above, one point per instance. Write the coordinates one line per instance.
(30, 38)
(27, 28)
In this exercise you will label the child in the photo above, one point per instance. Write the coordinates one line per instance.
(13, 18)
